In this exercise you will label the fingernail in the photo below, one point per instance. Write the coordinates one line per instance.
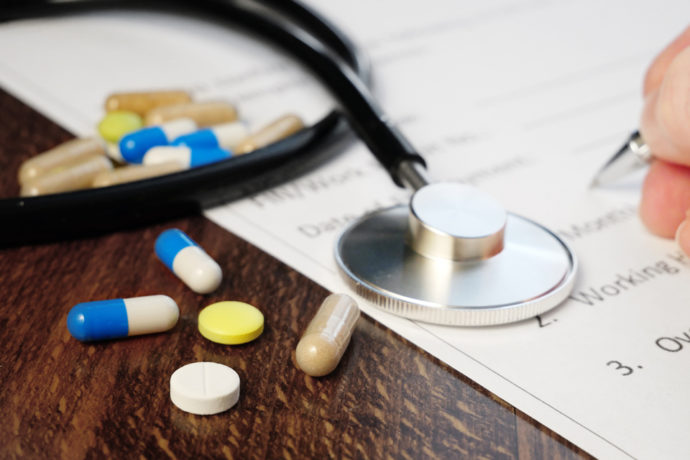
(684, 235)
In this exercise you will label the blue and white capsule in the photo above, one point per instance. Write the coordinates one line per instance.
(133, 146)
(225, 136)
(188, 261)
(118, 318)
(187, 157)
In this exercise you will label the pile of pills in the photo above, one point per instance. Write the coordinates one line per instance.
(206, 388)
(148, 134)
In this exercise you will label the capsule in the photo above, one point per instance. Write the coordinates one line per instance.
(117, 123)
(62, 156)
(78, 176)
(134, 145)
(277, 130)
(144, 101)
(188, 261)
(186, 157)
(327, 336)
(225, 136)
(133, 173)
(203, 113)
(117, 318)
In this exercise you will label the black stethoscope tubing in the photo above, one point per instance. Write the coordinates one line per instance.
(324, 50)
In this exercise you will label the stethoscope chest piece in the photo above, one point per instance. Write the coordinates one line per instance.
(455, 257)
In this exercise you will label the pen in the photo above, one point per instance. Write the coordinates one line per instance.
(633, 155)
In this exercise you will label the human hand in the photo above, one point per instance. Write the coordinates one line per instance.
(665, 126)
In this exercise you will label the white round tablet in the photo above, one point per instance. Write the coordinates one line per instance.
(204, 388)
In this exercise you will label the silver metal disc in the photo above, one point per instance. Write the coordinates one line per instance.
(534, 273)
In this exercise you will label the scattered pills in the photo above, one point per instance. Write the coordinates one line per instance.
(188, 261)
(322, 346)
(225, 136)
(62, 156)
(204, 388)
(133, 173)
(142, 102)
(231, 323)
(117, 123)
(75, 177)
(134, 145)
(203, 113)
(116, 318)
(275, 131)
(186, 157)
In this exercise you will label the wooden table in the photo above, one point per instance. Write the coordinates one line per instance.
(62, 398)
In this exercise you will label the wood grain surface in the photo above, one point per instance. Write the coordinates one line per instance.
(61, 398)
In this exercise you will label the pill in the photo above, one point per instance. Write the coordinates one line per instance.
(275, 131)
(322, 346)
(134, 145)
(62, 156)
(143, 101)
(231, 322)
(133, 173)
(188, 261)
(117, 123)
(116, 318)
(225, 136)
(75, 177)
(204, 388)
(186, 157)
(203, 113)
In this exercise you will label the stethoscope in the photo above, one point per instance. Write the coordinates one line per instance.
(454, 256)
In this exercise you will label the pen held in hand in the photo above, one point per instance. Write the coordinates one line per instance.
(633, 155)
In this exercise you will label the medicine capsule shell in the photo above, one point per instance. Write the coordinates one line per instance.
(225, 136)
(134, 145)
(186, 157)
(188, 261)
(133, 173)
(62, 156)
(326, 338)
(118, 318)
(75, 176)
(142, 102)
(206, 113)
(281, 128)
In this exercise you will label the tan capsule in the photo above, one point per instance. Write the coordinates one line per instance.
(77, 176)
(203, 113)
(277, 130)
(143, 101)
(133, 173)
(62, 156)
(327, 336)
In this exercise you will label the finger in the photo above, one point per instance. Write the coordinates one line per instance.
(657, 70)
(665, 122)
(665, 198)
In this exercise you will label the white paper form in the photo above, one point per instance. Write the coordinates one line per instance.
(524, 99)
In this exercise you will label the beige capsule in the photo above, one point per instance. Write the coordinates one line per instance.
(77, 176)
(203, 113)
(143, 101)
(133, 173)
(279, 129)
(322, 346)
(62, 156)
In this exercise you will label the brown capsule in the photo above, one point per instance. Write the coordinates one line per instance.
(77, 176)
(322, 346)
(133, 173)
(143, 101)
(277, 130)
(203, 113)
(60, 157)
